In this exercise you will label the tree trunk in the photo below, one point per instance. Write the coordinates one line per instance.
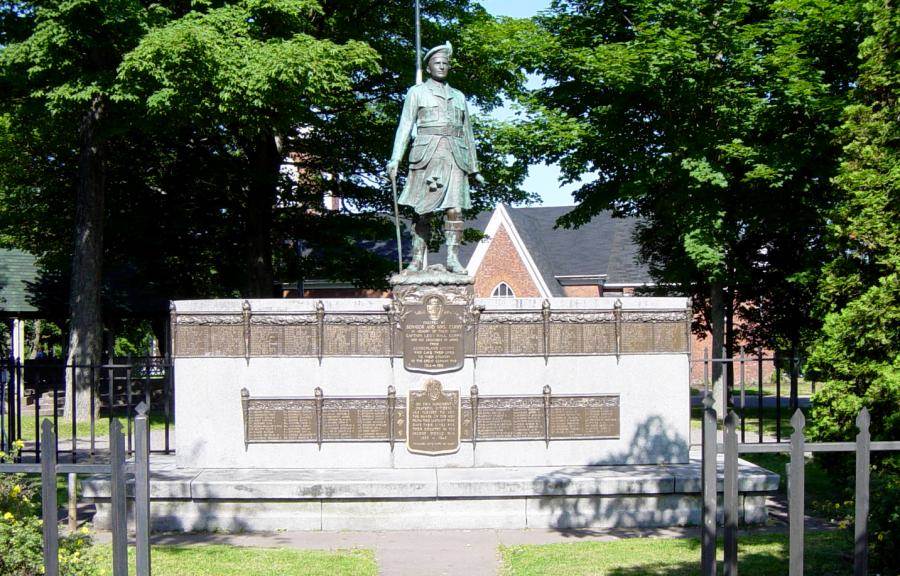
(729, 342)
(85, 322)
(265, 163)
(717, 326)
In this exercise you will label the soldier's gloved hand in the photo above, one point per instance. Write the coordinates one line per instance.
(479, 178)
(392, 169)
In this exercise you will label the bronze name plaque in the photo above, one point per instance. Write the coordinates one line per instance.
(541, 418)
(437, 421)
(433, 336)
(433, 420)
(362, 419)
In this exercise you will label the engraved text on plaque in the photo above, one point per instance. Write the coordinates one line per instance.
(433, 420)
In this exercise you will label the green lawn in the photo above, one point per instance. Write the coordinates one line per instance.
(751, 422)
(827, 554)
(804, 387)
(83, 429)
(219, 560)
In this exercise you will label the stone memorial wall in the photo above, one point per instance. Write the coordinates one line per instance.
(431, 378)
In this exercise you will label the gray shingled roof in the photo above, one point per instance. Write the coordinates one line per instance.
(17, 270)
(604, 245)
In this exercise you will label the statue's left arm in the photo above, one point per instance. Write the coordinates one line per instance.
(473, 154)
(470, 141)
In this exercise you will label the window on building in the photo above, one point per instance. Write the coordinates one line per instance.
(503, 291)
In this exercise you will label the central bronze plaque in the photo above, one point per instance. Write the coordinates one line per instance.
(433, 420)
(434, 336)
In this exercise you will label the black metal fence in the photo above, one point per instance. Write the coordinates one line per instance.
(762, 388)
(797, 447)
(36, 389)
(119, 470)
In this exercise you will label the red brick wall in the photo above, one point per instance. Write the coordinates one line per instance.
(751, 370)
(502, 264)
(588, 291)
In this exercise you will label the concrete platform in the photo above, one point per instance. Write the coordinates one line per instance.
(243, 500)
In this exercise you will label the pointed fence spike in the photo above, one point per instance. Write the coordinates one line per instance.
(863, 419)
(142, 408)
(798, 420)
(709, 400)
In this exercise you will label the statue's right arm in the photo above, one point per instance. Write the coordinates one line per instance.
(404, 130)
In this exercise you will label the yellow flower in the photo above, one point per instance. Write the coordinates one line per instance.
(19, 444)
(16, 490)
(9, 517)
(84, 530)
(881, 536)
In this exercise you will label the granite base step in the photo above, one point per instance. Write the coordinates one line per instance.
(415, 499)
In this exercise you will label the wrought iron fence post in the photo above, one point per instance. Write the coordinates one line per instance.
(795, 497)
(730, 496)
(861, 514)
(708, 482)
(48, 500)
(142, 490)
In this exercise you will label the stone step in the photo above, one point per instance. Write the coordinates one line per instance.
(386, 499)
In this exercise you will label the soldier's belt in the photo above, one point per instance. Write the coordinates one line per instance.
(441, 131)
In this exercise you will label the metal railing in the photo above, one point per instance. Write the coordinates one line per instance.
(118, 469)
(115, 389)
(756, 368)
(798, 445)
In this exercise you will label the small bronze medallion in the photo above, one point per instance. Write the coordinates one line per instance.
(433, 420)
(434, 335)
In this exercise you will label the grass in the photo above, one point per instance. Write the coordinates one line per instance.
(751, 422)
(804, 387)
(83, 429)
(221, 560)
(827, 554)
(824, 495)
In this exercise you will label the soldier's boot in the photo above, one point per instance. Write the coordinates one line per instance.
(418, 254)
(453, 230)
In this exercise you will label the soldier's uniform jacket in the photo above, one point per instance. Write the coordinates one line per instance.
(438, 111)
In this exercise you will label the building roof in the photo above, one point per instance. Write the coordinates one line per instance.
(602, 249)
(17, 270)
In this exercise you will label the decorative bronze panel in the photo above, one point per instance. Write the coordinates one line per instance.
(427, 344)
(637, 338)
(274, 420)
(192, 340)
(373, 340)
(433, 335)
(599, 338)
(584, 417)
(227, 341)
(266, 340)
(440, 419)
(299, 340)
(525, 339)
(493, 339)
(669, 337)
(433, 424)
(522, 417)
(505, 418)
(565, 339)
(279, 420)
(339, 340)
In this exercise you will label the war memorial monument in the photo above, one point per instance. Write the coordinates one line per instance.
(432, 408)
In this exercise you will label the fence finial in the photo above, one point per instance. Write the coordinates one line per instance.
(142, 409)
(709, 400)
(798, 420)
(863, 419)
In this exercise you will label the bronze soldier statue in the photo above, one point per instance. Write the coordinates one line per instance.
(441, 160)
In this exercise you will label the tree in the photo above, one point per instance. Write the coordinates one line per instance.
(57, 77)
(858, 350)
(713, 123)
